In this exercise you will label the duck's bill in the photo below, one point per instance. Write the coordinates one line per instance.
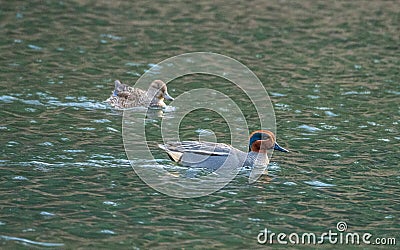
(168, 97)
(277, 147)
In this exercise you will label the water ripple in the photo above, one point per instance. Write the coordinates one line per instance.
(52, 101)
(86, 105)
(316, 183)
(309, 128)
(31, 242)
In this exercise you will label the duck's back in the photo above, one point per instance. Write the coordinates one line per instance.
(125, 96)
(204, 154)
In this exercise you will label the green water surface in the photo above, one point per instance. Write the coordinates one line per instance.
(331, 69)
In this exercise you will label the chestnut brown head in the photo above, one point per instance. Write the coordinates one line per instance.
(262, 140)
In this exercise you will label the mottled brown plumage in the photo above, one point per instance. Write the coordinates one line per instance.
(125, 96)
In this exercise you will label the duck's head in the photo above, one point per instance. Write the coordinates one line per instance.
(158, 90)
(263, 140)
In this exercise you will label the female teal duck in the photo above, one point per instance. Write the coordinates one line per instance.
(125, 96)
(211, 155)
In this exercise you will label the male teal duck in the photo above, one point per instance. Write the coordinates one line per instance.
(125, 96)
(210, 155)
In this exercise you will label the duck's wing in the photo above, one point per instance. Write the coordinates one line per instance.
(124, 96)
(125, 91)
(175, 150)
(209, 148)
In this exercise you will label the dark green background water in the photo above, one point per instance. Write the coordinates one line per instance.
(331, 68)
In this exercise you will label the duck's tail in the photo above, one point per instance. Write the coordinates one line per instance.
(118, 87)
(173, 155)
